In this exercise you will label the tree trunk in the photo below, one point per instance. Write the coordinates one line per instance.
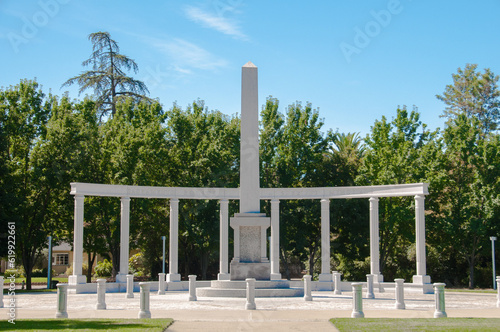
(285, 262)
(90, 263)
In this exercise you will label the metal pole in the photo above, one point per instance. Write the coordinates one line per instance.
(493, 238)
(163, 259)
(49, 268)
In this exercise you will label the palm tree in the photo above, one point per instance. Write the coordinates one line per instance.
(107, 78)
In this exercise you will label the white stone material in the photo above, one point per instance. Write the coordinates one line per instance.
(192, 287)
(249, 142)
(101, 294)
(124, 239)
(161, 283)
(400, 294)
(173, 262)
(62, 301)
(224, 241)
(275, 240)
(420, 277)
(369, 286)
(336, 283)
(307, 288)
(375, 241)
(130, 286)
(144, 298)
(77, 277)
(1, 292)
(440, 311)
(250, 305)
(498, 292)
(325, 241)
(357, 300)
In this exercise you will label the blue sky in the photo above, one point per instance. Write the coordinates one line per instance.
(354, 60)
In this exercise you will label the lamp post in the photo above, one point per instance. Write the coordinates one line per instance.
(49, 268)
(493, 239)
(163, 257)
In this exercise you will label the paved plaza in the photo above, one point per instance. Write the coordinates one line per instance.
(277, 314)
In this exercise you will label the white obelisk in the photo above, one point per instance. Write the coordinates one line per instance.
(250, 246)
(249, 144)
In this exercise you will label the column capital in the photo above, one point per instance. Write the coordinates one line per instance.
(174, 200)
(125, 198)
(419, 197)
(275, 201)
(79, 196)
(373, 199)
(325, 199)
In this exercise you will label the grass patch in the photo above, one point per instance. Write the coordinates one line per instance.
(37, 279)
(416, 324)
(101, 325)
(36, 290)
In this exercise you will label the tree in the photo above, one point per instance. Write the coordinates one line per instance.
(107, 76)
(473, 94)
(398, 152)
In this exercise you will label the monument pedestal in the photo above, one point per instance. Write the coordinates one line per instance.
(250, 247)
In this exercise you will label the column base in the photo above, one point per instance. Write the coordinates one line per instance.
(121, 278)
(275, 276)
(173, 277)
(325, 277)
(420, 279)
(77, 279)
(223, 276)
(377, 278)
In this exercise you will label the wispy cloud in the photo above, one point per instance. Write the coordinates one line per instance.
(217, 22)
(186, 55)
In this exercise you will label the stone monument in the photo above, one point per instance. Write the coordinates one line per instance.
(250, 226)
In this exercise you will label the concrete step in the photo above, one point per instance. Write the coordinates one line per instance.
(241, 293)
(259, 284)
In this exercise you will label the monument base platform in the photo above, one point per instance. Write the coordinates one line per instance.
(259, 271)
(236, 288)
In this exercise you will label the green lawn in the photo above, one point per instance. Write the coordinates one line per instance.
(417, 324)
(101, 325)
(37, 279)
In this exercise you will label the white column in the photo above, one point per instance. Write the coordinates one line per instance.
(357, 300)
(192, 287)
(62, 301)
(250, 305)
(440, 311)
(421, 276)
(325, 241)
(1, 292)
(173, 274)
(375, 241)
(144, 300)
(369, 286)
(161, 283)
(77, 277)
(400, 293)
(130, 286)
(101, 294)
(124, 239)
(307, 288)
(275, 240)
(224, 240)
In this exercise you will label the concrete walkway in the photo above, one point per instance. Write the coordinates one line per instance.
(272, 314)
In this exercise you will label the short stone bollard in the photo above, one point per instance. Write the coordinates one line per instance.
(144, 312)
(400, 293)
(369, 286)
(439, 296)
(498, 290)
(62, 301)
(250, 305)
(192, 287)
(357, 300)
(307, 288)
(337, 283)
(1, 293)
(161, 283)
(130, 286)
(101, 294)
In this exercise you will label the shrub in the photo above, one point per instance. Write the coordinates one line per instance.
(69, 270)
(136, 265)
(103, 268)
(17, 273)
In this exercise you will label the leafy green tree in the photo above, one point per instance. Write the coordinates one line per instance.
(398, 152)
(474, 94)
(108, 76)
